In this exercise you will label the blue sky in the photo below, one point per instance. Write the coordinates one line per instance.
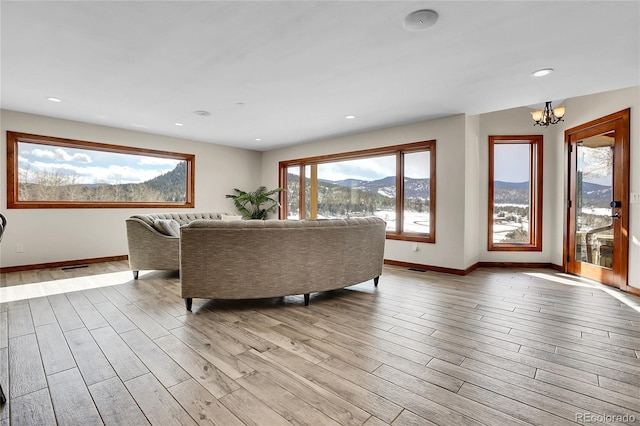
(369, 169)
(90, 166)
(511, 162)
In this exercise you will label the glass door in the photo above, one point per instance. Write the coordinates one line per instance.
(597, 243)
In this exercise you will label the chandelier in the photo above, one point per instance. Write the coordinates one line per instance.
(548, 115)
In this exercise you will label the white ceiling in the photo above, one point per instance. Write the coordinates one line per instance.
(288, 72)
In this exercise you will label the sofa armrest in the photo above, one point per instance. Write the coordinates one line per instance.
(149, 249)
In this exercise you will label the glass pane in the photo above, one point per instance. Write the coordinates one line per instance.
(511, 193)
(293, 192)
(594, 183)
(417, 188)
(358, 188)
(59, 173)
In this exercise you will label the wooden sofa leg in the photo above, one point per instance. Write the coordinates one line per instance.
(375, 281)
(135, 275)
(187, 302)
(306, 299)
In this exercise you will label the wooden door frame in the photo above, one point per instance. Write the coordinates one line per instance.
(619, 122)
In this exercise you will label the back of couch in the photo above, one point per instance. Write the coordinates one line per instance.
(153, 238)
(181, 218)
(255, 258)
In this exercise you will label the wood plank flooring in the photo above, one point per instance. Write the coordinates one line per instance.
(92, 346)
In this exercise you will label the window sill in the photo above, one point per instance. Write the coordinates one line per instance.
(411, 237)
(515, 247)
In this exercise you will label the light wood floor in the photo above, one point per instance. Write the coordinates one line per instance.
(495, 347)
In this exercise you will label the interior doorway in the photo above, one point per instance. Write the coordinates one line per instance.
(597, 241)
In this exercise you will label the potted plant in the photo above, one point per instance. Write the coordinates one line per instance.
(256, 204)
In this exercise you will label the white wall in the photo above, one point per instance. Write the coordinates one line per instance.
(473, 193)
(52, 235)
(513, 122)
(449, 133)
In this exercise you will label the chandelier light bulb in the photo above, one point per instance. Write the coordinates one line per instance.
(537, 115)
(548, 115)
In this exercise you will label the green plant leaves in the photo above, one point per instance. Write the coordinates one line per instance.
(256, 204)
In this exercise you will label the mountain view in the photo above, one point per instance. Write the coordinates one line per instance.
(353, 197)
(511, 209)
(55, 186)
(593, 195)
(414, 188)
(171, 185)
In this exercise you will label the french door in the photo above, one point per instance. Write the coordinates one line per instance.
(597, 242)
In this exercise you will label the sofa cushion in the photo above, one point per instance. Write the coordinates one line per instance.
(181, 218)
(167, 227)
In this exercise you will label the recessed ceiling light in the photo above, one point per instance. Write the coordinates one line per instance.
(420, 20)
(178, 124)
(202, 113)
(542, 72)
(349, 117)
(257, 139)
(52, 99)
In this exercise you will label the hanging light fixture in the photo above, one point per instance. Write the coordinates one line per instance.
(548, 115)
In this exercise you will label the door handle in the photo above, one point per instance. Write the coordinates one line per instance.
(616, 216)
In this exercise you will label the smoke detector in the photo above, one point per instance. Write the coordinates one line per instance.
(420, 20)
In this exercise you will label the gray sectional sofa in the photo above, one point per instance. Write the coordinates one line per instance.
(154, 239)
(258, 259)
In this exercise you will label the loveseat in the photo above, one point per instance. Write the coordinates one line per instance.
(154, 239)
(258, 259)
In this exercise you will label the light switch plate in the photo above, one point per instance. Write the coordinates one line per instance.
(635, 197)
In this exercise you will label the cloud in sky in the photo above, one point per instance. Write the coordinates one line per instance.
(363, 169)
(369, 169)
(91, 174)
(92, 166)
(59, 154)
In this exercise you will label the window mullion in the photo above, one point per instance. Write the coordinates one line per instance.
(399, 192)
(302, 206)
(532, 193)
(313, 195)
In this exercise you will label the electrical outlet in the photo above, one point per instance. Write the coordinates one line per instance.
(635, 197)
(20, 248)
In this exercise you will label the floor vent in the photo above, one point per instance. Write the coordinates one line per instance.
(65, 268)
(417, 270)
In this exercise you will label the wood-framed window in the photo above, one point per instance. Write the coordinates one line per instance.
(515, 193)
(396, 183)
(49, 172)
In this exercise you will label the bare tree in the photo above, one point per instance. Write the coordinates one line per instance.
(600, 161)
(54, 185)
